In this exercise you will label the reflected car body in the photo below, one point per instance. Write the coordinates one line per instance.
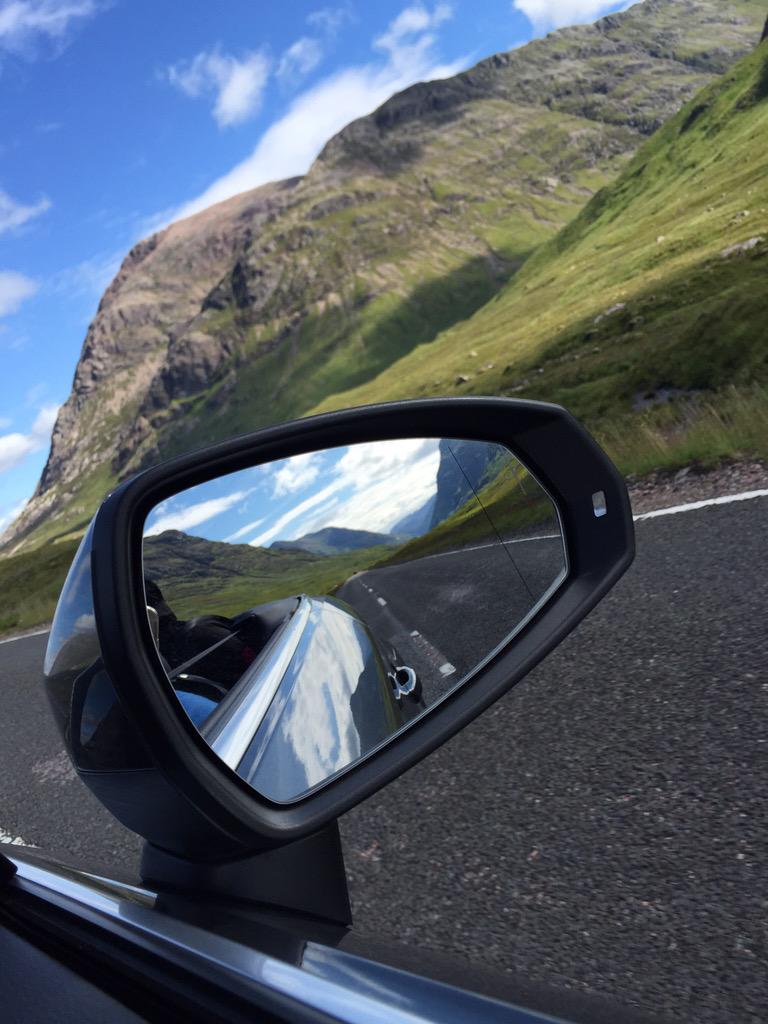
(321, 665)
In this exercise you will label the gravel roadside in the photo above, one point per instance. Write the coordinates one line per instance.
(664, 488)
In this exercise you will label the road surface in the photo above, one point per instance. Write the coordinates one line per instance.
(603, 826)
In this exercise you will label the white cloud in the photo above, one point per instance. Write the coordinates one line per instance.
(14, 214)
(331, 19)
(8, 514)
(410, 22)
(237, 83)
(549, 14)
(289, 145)
(24, 22)
(391, 479)
(193, 515)
(14, 448)
(15, 288)
(296, 472)
(299, 59)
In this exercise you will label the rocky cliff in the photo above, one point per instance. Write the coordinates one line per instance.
(409, 221)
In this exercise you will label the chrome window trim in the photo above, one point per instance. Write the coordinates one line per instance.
(384, 996)
(235, 736)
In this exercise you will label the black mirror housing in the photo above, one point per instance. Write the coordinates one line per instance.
(147, 762)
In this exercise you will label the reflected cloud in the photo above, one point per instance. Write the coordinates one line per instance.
(192, 515)
(288, 517)
(387, 480)
(296, 472)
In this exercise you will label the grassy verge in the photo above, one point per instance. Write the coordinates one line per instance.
(30, 585)
(705, 430)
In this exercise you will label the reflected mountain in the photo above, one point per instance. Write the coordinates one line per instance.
(418, 522)
(335, 540)
(465, 467)
(197, 575)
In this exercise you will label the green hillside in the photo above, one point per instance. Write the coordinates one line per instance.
(648, 315)
(30, 585)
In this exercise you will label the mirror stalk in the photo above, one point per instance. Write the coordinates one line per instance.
(306, 876)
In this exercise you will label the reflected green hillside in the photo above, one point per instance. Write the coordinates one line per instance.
(204, 577)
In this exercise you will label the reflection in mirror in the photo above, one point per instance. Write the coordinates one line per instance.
(308, 609)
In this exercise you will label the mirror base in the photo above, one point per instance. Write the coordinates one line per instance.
(306, 876)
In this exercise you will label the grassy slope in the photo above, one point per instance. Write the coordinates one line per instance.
(447, 190)
(652, 241)
(30, 585)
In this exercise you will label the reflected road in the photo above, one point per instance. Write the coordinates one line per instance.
(444, 613)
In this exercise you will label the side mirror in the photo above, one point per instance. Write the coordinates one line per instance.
(257, 636)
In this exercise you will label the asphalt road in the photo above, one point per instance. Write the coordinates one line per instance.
(603, 826)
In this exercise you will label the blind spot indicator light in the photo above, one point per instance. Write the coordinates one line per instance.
(598, 504)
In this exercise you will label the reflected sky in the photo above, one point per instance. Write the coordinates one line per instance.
(365, 486)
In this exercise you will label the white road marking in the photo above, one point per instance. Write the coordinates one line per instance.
(24, 636)
(9, 840)
(693, 506)
(415, 632)
(382, 602)
(447, 669)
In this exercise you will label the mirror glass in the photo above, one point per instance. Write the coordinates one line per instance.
(306, 610)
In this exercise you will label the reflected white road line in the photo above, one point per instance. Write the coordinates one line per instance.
(447, 669)
(492, 544)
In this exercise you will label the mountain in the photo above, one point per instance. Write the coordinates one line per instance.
(334, 540)
(410, 221)
(647, 315)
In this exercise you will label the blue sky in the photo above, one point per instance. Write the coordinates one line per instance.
(119, 116)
